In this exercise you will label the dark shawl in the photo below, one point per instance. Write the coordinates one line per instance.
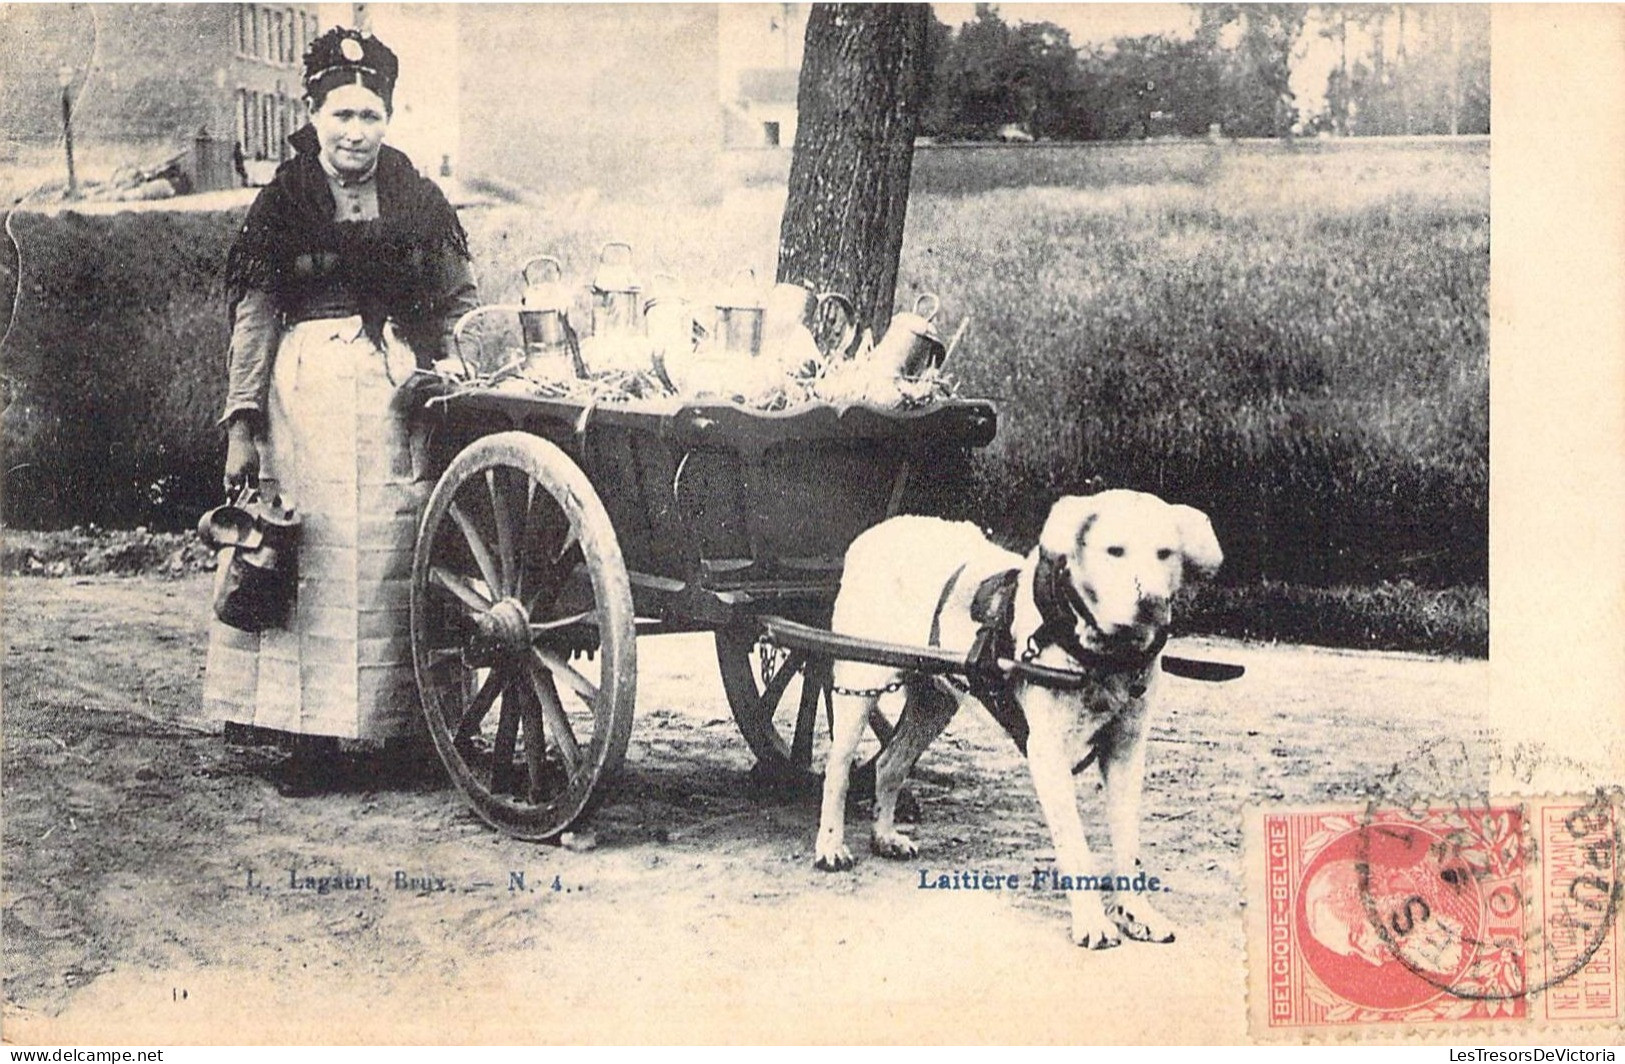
(390, 266)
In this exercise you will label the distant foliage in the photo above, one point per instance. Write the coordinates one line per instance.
(1401, 69)
(1406, 69)
(989, 77)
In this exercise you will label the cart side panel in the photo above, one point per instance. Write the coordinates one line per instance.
(816, 499)
(614, 459)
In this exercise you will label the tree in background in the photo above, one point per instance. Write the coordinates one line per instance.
(1255, 73)
(1335, 22)
(990, 75)
(862, 83)
(1145, 87)
(1420, 69)
(1426, 70)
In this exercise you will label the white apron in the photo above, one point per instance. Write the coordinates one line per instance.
(338, 454)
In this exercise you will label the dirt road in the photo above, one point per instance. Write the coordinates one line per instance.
(150, 870)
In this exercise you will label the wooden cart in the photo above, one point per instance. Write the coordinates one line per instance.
(559, 533)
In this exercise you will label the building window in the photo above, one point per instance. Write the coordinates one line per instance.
(242, 119)
(770, 134)
(256, 135)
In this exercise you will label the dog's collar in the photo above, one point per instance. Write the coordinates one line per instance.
(1060, 608)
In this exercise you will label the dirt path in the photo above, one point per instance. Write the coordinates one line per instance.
(147, 864)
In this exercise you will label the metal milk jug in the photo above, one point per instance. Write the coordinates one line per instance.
(739, 319)
(669, 319)
(544, 320)
(911, 344)
(615, 304)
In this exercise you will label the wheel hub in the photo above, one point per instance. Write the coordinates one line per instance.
(506, 626)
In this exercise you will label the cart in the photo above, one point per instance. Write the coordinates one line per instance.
(559, 532)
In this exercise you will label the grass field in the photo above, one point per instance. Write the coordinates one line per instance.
(1297, 341)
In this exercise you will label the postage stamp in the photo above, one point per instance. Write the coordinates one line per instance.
(1433, 915)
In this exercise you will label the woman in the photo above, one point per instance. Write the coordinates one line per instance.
(349, 272)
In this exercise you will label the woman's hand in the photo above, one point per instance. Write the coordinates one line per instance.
(242, 456)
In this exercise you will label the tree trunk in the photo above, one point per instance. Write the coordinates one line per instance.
(858, 110)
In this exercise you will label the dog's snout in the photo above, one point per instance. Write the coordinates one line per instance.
(1153, 609)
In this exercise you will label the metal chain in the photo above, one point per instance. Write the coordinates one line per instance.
(770, 656)
(869, 692)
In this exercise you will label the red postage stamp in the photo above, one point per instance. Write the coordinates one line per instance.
(1483, 912)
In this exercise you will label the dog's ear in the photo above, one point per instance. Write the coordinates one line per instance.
(1069, 519)
(1197, 541)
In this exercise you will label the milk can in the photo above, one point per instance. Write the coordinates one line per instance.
(551, 349)
(669, 318)
(615, 304)
(804, 328)
(739, 318)
(911, 344)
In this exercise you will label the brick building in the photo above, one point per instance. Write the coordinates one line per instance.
(156, 74)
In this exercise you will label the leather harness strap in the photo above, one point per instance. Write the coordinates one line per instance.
(942, 603)
(993, 608)
(1060, 607)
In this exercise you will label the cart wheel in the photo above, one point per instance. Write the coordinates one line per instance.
(522, 634)
(782, 704)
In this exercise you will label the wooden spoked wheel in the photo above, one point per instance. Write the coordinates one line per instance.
(522, 634)
(781, 700)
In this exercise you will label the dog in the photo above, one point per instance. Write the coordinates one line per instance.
(1095, 595)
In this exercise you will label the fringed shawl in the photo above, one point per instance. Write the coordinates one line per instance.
(389, 265)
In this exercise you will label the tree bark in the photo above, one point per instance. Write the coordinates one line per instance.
(858, 102)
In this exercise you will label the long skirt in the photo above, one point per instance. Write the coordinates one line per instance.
(337, 451)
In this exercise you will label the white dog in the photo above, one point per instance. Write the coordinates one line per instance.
(1094, 595)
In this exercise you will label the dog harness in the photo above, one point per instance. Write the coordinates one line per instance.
(1060, 607)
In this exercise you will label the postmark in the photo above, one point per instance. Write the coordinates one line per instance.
(1435, 913)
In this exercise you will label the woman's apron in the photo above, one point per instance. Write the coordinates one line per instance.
(339, 453)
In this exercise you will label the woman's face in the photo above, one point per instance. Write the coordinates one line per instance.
(350, 124)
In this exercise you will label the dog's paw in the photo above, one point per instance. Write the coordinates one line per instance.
(836, 858)
(893, 844)
(1095, 932)
(1140, 922)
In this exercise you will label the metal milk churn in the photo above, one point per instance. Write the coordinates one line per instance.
(668, 318)
(836, 325)
(739, 318)
(616, 309)
(551, 348)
